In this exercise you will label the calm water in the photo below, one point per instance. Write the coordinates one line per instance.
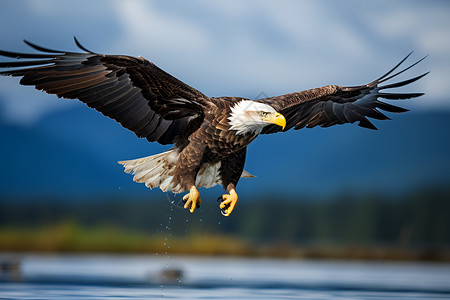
(143, 277)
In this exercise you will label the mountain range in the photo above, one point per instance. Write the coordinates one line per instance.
(74, 153)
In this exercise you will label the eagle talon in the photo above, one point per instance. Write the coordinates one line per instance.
(192, 199)
(228, 203)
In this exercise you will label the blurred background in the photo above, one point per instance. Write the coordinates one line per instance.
(343, 192)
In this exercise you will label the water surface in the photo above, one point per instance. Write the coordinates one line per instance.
(144, 277)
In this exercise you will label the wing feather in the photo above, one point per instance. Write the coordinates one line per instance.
(131, 90)
(333, 105)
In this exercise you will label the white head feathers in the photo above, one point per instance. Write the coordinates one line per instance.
(246, 117)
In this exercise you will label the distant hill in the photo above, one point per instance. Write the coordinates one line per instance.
(75, 153)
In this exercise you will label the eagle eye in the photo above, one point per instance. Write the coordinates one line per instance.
(263, 113)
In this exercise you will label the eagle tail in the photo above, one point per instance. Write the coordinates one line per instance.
(156, 170)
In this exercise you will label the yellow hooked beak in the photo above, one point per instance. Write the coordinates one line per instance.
(278, 119)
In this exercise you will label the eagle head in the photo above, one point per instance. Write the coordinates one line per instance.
(251, 117)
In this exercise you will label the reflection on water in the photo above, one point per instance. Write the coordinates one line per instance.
(142, 277)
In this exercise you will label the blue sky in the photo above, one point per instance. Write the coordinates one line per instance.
(237, 48)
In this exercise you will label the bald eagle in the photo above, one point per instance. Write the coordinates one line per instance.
(209, 135)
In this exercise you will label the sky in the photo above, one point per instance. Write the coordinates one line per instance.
(237, 48)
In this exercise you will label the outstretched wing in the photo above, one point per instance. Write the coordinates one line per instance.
(131, 90)
(331, 105)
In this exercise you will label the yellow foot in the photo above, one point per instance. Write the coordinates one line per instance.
(228, 203)
(192, 200)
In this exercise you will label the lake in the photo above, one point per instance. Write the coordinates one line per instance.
(161, 276)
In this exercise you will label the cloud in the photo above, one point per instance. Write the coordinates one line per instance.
(239, 48)
(425, 27)
(144, 25)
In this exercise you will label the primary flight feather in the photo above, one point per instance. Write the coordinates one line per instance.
(210, 135)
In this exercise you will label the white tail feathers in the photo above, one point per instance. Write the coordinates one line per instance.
(208, 175)
(246, 174)
(158, 171)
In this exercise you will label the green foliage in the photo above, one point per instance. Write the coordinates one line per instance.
(418, 222)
